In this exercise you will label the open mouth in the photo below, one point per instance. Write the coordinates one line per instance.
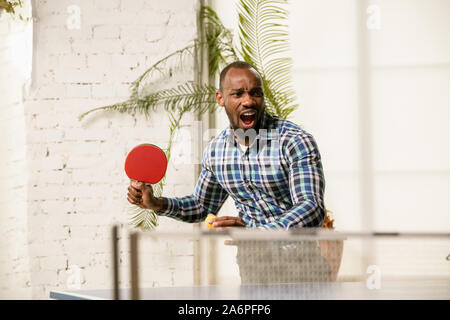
(248, 118)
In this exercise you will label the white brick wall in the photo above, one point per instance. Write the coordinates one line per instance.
(76, 186)
(15, 42)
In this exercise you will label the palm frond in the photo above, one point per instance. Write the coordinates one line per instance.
(184, 97)
(164, 68)
(218, 41)
(146, 219)
(143, 218)
(264, 39)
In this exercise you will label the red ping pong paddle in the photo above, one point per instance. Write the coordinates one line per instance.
(146, 163)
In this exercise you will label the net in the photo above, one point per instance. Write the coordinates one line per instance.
(304, 264)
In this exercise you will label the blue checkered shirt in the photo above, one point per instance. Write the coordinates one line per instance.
(276, 183)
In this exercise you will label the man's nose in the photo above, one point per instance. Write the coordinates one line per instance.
(247, 100)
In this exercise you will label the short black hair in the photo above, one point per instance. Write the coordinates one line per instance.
(237, 65)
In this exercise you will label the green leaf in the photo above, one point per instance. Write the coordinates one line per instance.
(263, 34)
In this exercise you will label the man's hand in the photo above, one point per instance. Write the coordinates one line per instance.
(141, 194)
(227, 222)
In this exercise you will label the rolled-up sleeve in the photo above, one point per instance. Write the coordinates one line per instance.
(208, 197)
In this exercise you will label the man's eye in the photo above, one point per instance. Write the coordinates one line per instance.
(237, 94)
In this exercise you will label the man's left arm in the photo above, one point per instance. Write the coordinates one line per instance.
(306, 185)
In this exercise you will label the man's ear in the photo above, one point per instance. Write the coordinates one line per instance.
(219, 99)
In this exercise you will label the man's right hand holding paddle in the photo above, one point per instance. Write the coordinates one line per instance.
(141, 194)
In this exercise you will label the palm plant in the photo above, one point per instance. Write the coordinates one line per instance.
(10, 5)
(263, 38)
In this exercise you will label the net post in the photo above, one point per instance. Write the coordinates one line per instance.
(134, 266)
(115, 246)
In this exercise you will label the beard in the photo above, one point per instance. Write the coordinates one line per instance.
(238, 122)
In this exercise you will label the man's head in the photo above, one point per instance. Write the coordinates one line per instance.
(241, 93)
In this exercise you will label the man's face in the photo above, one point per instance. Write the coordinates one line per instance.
(242, 96)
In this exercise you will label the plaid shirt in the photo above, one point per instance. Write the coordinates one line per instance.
(276, 183)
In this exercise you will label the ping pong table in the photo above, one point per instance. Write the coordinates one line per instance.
(393, 290)
(301, 266)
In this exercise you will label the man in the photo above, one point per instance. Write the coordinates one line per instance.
(278, 186)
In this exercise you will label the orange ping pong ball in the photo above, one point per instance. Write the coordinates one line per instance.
(208, 218)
